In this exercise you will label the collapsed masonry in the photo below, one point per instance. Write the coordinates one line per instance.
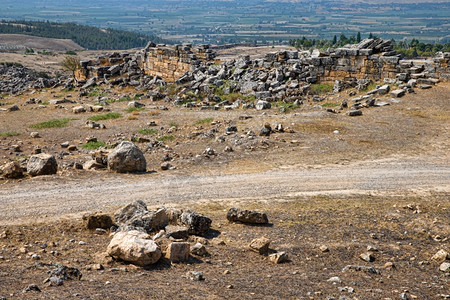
(278, 75)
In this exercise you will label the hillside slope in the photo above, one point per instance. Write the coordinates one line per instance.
(21, 41)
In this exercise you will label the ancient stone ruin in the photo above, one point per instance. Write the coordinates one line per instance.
(278, 74)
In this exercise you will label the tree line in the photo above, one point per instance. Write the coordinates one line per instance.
(410, 49)
(88, 37)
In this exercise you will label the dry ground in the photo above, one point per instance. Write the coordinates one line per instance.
(39, 43)
(382, 180)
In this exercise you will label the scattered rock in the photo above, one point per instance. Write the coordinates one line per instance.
(195, 276)
(445, 267)
(13, 108)
(31, 288)
(134, 247)
(135, 216)
(61, 273)
(279, 257)
(178, 251)
(246, 216)
(92, 165)
(354, 113)
(42, 164)
(441, 255)
(12, 170)
(127, 157)
(367, 257)
(260, 245)
(334, 279)
(177, 232)
(371, 270)
(199, 249)
(165, 166)
(198, 224)
(78, 110)
(262, 104)
(398, 93)
(324, 248)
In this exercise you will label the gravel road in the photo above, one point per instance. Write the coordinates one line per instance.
(47, 198)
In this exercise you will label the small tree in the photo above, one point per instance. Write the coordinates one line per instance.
(71, 63)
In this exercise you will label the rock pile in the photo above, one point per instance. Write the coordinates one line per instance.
(132, 242)
(16, 78)
(284, 75)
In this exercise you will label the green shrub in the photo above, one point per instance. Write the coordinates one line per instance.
(173, 124)
(56, 123)
(108, 116)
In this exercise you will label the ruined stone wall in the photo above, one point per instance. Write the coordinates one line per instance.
(166, 62)
(370, 59)
(170, 63)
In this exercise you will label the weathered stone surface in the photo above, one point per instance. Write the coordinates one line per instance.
(367, 257)
(12, 170)
(98, 220)
(199, 249)
(134, 247)
(398, 93)
(78, 109)
(127, 157)
(353, 113)
(445, 267)
(93, 165)
(279, 257)
(261, 104)
(135, 216)
(178, 251)
(260, 245)
(177, 232)
(383, 90)
(126, 213)
(42, 164)
(246, 216)
(441, 255)
(198, 224)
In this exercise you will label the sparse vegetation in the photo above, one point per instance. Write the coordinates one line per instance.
(9, 133)
(330, 104)
(321, 88)
(165, 138)
(204, 121)
(134, 109)
(56, 123)
(147, 131)
(95, 92)
(107, 116)
(93, 145)
(173, 124)
(285, 106)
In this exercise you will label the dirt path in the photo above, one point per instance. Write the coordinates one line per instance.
(46, 198)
